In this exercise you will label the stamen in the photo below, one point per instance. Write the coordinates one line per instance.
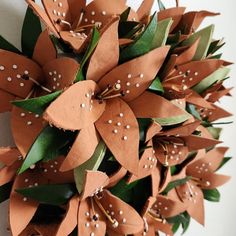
(26, 77)
(109, 90)
(156, 217)
(175, 77)
(165, 148)
(60, 21)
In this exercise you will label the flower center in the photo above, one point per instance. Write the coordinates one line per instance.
(110, 92)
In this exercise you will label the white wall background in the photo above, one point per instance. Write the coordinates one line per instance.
(220, 217)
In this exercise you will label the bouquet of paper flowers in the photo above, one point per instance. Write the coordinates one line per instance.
(113, 114)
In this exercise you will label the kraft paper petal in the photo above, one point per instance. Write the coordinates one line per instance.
(25, 128)
(145, 9)
(119, 129)
(70, 220)
(153, 130)
(75, 7)
(14, 67)
(46, 229)
(116, 177)
(145, 107)
(165, 179)
(55, 11)
(6, 99)
(60, 73)
(215, 114)
(8, 173)
(9, 155)
(204, 132)
(175, 13)
(94, 180)
(44, 50)
(194, 142)
(136, 76)
(86, 224)
(212, 181)
(215, 96)
(82, 149)
(193, 72)
(106, 54)
(75, 109)
(20, 207)
(156, 180)
(192, 196)
(129, 220)
(43, 16)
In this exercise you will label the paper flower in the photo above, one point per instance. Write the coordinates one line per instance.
(114, 119)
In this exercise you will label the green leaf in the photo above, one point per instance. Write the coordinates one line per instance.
(124, 16)
(128, 28)
(156, 86)
(143, 123)
(92, 164)
(46, 147)
(225, 160)
(37, 105)
(174, 120)
(30, 32)
(5, 45)
(53, 194)
(215, 77)
(92, 45)
(212, 195)
(175, 184)
(205, 36)
(162, 32)
(143, 43)
(161, 5)
(175, 227)
(5, 191)
(181, 219)
(192, 110)
(185, 224)
(215, 132)
(215, 46)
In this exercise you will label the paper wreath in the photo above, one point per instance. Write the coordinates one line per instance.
(113, 114)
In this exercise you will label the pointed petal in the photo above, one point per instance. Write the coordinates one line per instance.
(215, 114)
(46, 229)
(9, 155)
(102, 60)
(43, 16)
(8, 173)
(25, 128)
(212, 181)
(13, 66)
(55, 11)
(44, 50)
(209, 162)
(165, 228)
(86, 224)
(94, 180)
(192, 196)
(60, 73)
(6, 99)
(75, 109)
(145, 106)
(153, 130)
(136, 76)
(118, 128)
(75, 7)
(215, 96)
(156, 180)
(129, 221)
(70, 221)
(82, 149)
(145, 9)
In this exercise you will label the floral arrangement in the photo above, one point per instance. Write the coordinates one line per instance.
(113, 114)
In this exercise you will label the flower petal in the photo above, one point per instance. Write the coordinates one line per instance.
(25, 128)
(129, 221)
(136, 76)
(102, 60)
(75, 108)
(153, 130)
(60, 73)
(145, 106)
(43, 16)
(9, 155)
(145, 9)
(41, 55)
(6, 99)
(116, 177)
(86, 224)
(70, 220)
(82, 149)
(118, 128)
(212, 181)
(94, 181)
(13, 68)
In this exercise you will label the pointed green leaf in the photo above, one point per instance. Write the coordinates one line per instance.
(215, 132)
(192, 110)
(52, 194)
(161, 5)
(46, 147)
(205, 36)
(225, 160)
(92, 45)
(30, 32)
(128, 28)
(156, 86)
(5, 45)
(162, 32)
(37, 105)
(92, 164)
(172, 120)
(185, 224)
(5, 191)
(175, 184)
(124, 16)
(143, 123)
(212, 195)
(142, 44)
(215, 77)
(175, 227)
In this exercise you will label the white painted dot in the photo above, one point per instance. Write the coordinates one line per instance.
(141, 76)
(121, 115)
(127, 126)
(127, 91)
(96, 225)
(124, 220)
(14, 67)
(9, 79)
(128, 83)
(120, 212)
(60, 4)
(85, 20)
(109, 121)
(58, 84)
(190, 79)
(115, 131)
(54, 72)
(92, 234)
(196, 73)
(118, 124)
(82, 105)
(125, 138)
(87, 224)
(129, 76)
(59, 76)
(18, 76)
(63, 14)
(50, 73)
(26, 180)
(36, 184)
(55, 79)
(137, 85)
(32, 167)
(25, 199)
(87, 214)
(29, 123)
(26, 72)
(104, 13)
(59, 13)
(92, 21)
(93, 13)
